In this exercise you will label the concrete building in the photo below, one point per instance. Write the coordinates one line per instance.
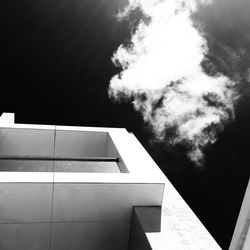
(241, 235)
(75, 188)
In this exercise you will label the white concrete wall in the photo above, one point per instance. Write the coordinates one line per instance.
(98, 215)
(100, 235)
(25, 214)
(241, 234)
(76, 211)
(102, 202)
(80, 143)
(24, 236)
(40, 142)
(70, 216)
(58, 143)
(57, 211)
(112, 151)
(246, 245)
(7, 118)
(26, 142)
(25, 202)
(178, 229)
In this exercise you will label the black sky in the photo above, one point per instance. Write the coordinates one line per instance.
(56, 67)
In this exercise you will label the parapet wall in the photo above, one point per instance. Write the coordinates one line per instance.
(46, 207)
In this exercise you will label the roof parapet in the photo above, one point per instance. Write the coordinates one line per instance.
(7, 118)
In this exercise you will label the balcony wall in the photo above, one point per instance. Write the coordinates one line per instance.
(48, 206)
(57, 143)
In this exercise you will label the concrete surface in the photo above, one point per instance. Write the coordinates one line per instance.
(88, 210)
(241, 235)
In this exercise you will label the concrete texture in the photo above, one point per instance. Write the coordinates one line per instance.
(180, 228)
(58, 166)
(149, 217)
(25, 202)
(82, 210)
(138, 239)
(101, 235)
(80, 143)
(25, 236)
(7, 118)
(99, 202)
(241, 232)
(86, 167)
(26, 165)
(31, 142)
(246, 245)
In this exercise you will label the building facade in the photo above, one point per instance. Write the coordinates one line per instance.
(88, 188)
(241, 235)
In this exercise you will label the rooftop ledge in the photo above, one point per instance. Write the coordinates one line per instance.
(25, 143)
(174, 224)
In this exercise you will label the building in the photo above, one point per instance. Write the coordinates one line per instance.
(75, 188)
(241, 235)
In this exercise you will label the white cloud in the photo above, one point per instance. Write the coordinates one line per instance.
(163, 63)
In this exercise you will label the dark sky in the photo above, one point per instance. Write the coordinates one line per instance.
(56, 67)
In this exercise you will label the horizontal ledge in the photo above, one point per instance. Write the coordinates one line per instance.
(65, 222)
(51, 158)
